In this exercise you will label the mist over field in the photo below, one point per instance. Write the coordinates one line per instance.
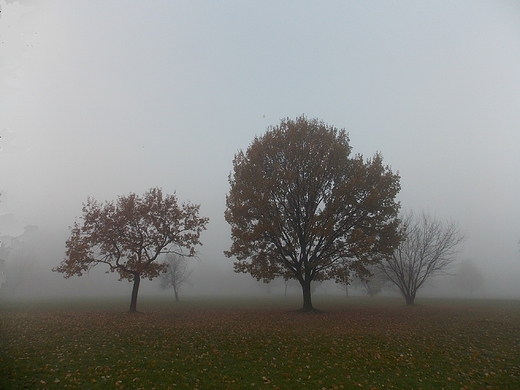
(102, 99)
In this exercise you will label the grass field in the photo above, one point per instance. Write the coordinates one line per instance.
(353, 343)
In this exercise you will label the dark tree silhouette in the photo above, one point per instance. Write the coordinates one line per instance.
(299, 204)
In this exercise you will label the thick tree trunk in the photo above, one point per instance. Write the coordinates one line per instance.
(307, 301)
(135, 290)
(410, 300)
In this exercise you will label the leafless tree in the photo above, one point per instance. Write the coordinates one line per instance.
(429, 247)
(177, 273)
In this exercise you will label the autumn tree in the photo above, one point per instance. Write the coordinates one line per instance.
(130, 234)
(299, 204)
(429, 247)
(177, 273)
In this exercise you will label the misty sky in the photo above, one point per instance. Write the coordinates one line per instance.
(105, 98)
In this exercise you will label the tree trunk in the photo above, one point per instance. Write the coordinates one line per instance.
(410, 300)
(135, 290)
(176, 293)
(307, 302)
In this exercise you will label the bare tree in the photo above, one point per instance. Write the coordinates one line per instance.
(428, 247)
(177, 273)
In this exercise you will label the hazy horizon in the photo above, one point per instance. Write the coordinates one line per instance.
(103, 99)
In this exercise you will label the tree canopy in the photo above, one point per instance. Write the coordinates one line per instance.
(130, 234)
(301, 206)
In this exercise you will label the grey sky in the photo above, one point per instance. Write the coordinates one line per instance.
(105, 98)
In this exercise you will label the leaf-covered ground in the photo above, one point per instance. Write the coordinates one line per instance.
(374, 347)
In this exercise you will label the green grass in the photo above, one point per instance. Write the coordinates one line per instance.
(354, 343)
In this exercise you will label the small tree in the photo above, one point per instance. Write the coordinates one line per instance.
(4, 252)
(429, 247)
(177, 273)
(2, 272)
(468, 277)
(374, 283)
(370, 278)
(299, 204)
(130, 234)
(20, 255)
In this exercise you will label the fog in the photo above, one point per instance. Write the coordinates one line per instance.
(102, 99)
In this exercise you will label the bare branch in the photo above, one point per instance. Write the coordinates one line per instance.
(429, 247)
(177, 273)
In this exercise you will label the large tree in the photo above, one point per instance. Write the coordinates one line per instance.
(299, 204)
(129, 236)
(429, 247)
